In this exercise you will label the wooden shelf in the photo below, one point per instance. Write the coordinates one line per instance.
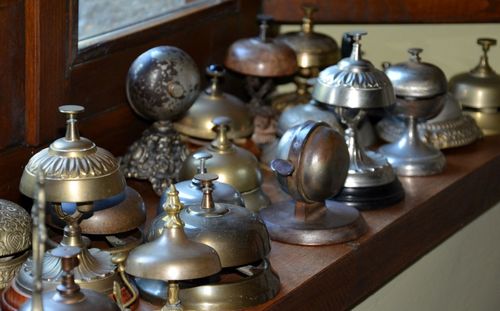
(340, 276)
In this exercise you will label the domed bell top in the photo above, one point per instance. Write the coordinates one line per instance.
(313, 49)
(15, 229)
(69, 296)
(238, 235)
(479, 88)
(191, 192)
(354, 82)
(173, 256)
(75, 169)
(261, 56)
(416, 79)
(234, 165)
(211, 103)
(298, 148)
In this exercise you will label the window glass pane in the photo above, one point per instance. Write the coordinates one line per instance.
(98, 17)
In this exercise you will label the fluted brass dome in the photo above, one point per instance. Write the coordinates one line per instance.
(75, 169)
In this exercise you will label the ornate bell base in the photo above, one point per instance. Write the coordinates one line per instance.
(156, 157)
(406, 163)
(10, 267)
(367, 198)
(326, 224)
(254, 285)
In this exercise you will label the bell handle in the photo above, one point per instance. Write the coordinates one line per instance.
(264, 21)
(415, 54)
(221, 126)
(72, 133)
(202, 157)
(282, 167)
(119, 260)
(307, 23)
(486, 43)
(207, 181)
(356, 38)
(215, 72)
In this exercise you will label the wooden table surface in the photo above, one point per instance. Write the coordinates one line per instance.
(338, 277)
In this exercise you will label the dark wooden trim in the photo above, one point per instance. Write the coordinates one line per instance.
(387, 11)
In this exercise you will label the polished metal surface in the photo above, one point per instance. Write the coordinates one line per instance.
(354, 82)
(75, 169)
(417, 79)
(238, 235)
(121, 213)
(449, 129)
(312, 166)
(487, 121)
(247, 286)
(313, 49)
(480, 87)
(211, 103)
(162, 83)
(313, 110)
(234, 166)
(173, 256)
(191, 192)
(410, 156)
(261, 56)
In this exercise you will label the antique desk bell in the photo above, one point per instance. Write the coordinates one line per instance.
(191, 191)
(450, 128)
(314, 51)
(311, 165)
(76, 171)
(478, 91)
(15, 240)
(196, 123)
(420, 90)
(162, 83)
(240, 238)
(68, 295)
(234, 166)
(353, 87)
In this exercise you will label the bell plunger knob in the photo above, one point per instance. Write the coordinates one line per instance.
(415, 54)
(221, 126)
(71, 111)
(69, 261)
(215, 72)
(207, 181)
(202, 157)
(264, 21)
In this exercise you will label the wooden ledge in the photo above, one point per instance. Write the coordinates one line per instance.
(340, 276)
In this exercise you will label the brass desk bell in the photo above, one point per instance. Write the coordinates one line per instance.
(450, 128)
(420, 90)
(314, 51)
(312, 165)
(478, 91)
(15, 240)
(173, 257)
(242, 242)
(196, 123)
(77, 171)
(68, 295)
(162, 83)
(191, 192)
(354, 87)
(234, 166)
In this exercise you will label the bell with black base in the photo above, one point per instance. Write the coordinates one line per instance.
(240, 238)
(162, 83)
(353, 87)
(420, 90)
(312, 166)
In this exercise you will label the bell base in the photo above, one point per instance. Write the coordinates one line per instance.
(330, 224)
(406, 163)
(367, 198)
(156, 157)
(258, 285)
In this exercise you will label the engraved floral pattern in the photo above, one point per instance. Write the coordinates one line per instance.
(359, 79)
(98, 163)
(15, 228)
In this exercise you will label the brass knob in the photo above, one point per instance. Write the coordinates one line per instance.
(202, 157)
(221, 126)
(215, 72)
(309, 10)
(486, 43)
(206, 181)
(415, 54)
(69, 261)
(71, 111)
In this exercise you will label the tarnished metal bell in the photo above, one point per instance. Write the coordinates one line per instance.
(75, 169)
(311, 165)
(211, 103)
(313, 49)
(261, 56)
(234, 166)
(420, 90)
(15, 239)
(478, 91)
(240, 238)
(173, 257)
(191, 192)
